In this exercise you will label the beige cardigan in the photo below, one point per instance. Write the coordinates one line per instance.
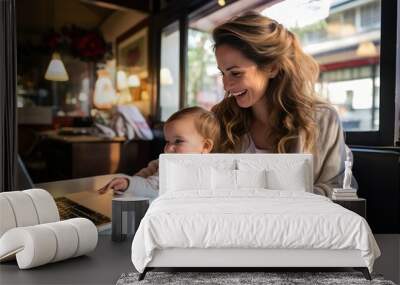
(330, 152)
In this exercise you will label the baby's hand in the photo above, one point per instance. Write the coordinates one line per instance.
(118, 185)
(150, 170)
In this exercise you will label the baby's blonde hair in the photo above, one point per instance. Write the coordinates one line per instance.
(206, 123)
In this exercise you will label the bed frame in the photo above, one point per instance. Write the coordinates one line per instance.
(250, 259)
(233, 259)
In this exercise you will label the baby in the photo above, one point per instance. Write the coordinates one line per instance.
(190, 130)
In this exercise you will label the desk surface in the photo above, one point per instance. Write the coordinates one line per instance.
(53, 135)
(61, 187)
(83, 191)
(104, 265)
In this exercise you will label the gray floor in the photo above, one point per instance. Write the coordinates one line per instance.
(389, 262)
(103, 266)
(110, 260)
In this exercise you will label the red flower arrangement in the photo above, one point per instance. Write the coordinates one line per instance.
(87, 45)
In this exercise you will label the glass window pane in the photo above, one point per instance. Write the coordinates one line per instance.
(344, 37)
(169, 72)
(204, 87)
(371, 15)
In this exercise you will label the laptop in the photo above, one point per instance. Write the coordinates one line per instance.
(79, 198)
(69, 208)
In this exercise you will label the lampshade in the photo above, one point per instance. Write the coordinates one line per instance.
(56, 69)
(166, 77)
(104, 93)
(133, 80)
(122, 81)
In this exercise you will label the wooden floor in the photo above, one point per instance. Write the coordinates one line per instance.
(111, 259)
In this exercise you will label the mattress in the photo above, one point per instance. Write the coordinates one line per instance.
(250, 219)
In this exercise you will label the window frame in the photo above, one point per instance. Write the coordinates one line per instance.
(176, 11)
(384, 136)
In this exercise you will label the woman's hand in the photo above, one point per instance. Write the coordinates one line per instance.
(118, 185)
(150, 170)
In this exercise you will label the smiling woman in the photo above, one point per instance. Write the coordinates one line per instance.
(270, 103)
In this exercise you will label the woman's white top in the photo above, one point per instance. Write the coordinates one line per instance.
(252, 147)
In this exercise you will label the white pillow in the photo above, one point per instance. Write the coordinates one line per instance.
(223, 179)
(293, 179)
(281, 174)
(251, 178)
(188, 177)
(226, 179)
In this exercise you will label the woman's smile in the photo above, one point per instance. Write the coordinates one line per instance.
(241, 77)
(237, 94)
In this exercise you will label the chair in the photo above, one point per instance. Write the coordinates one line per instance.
(31, 231)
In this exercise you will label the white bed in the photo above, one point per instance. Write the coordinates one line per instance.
(247, 210)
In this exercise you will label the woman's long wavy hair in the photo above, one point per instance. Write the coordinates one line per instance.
(291, 98)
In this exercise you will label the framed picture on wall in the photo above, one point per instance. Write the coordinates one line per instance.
(132, 64)
(132, 53)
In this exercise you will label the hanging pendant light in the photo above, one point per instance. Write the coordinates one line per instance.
(104, 93)
(133, 81)
(56, 70)
(221, 3)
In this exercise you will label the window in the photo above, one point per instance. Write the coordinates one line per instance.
(371, 15)
(204, 86)
(169, 72)
(349, 17)
(354, 93)
(347, 51)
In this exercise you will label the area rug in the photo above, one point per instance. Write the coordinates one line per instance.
(243, 278)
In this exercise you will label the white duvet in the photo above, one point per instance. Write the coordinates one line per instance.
(250, 218)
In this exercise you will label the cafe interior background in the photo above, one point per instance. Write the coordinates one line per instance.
(96, 79)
